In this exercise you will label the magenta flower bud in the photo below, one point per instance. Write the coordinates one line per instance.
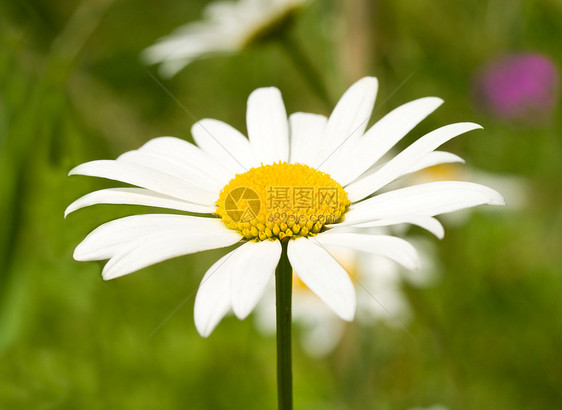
(518, 87)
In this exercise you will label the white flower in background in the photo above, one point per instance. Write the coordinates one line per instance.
(378, 283)
(227, 27)
(285, 183)
(514, 189)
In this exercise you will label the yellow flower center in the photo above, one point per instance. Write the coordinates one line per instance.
(281, 201)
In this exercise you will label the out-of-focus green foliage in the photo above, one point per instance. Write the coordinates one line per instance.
(72, 89)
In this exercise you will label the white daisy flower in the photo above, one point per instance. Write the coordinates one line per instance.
(307, 181)
(228, 27)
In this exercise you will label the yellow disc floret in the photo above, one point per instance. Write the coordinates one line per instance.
(281, 201)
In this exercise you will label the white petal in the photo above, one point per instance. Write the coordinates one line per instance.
(268, 127)
(253, 267)
(144, 177)
(177, 169)
(188, 155)
(429, 199)
(223, 9)
(158, 248)
(351, 114)
(435, 158)
(118, 237)
(347, 122)
(226, 144)
(391, 247)
(403, 161)
(138, 241)
(212, 301)
(135, 196)
(187, 43)
(384, 134)
(323, 275)
(170, 67)
(306, 137)
(426, 222)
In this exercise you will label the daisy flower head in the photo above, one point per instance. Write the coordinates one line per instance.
(298, 184)
(228, 27)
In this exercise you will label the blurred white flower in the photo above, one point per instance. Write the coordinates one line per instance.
(284, 183)
(514, 189)
(378, 284)
(227, 27)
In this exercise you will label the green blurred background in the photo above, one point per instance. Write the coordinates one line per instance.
(487, 335)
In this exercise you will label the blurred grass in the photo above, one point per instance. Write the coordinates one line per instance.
(487, 336)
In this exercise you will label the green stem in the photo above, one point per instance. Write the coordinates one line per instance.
(306, 68)
(283, 294)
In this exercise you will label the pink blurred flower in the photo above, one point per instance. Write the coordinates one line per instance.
(518, 87)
